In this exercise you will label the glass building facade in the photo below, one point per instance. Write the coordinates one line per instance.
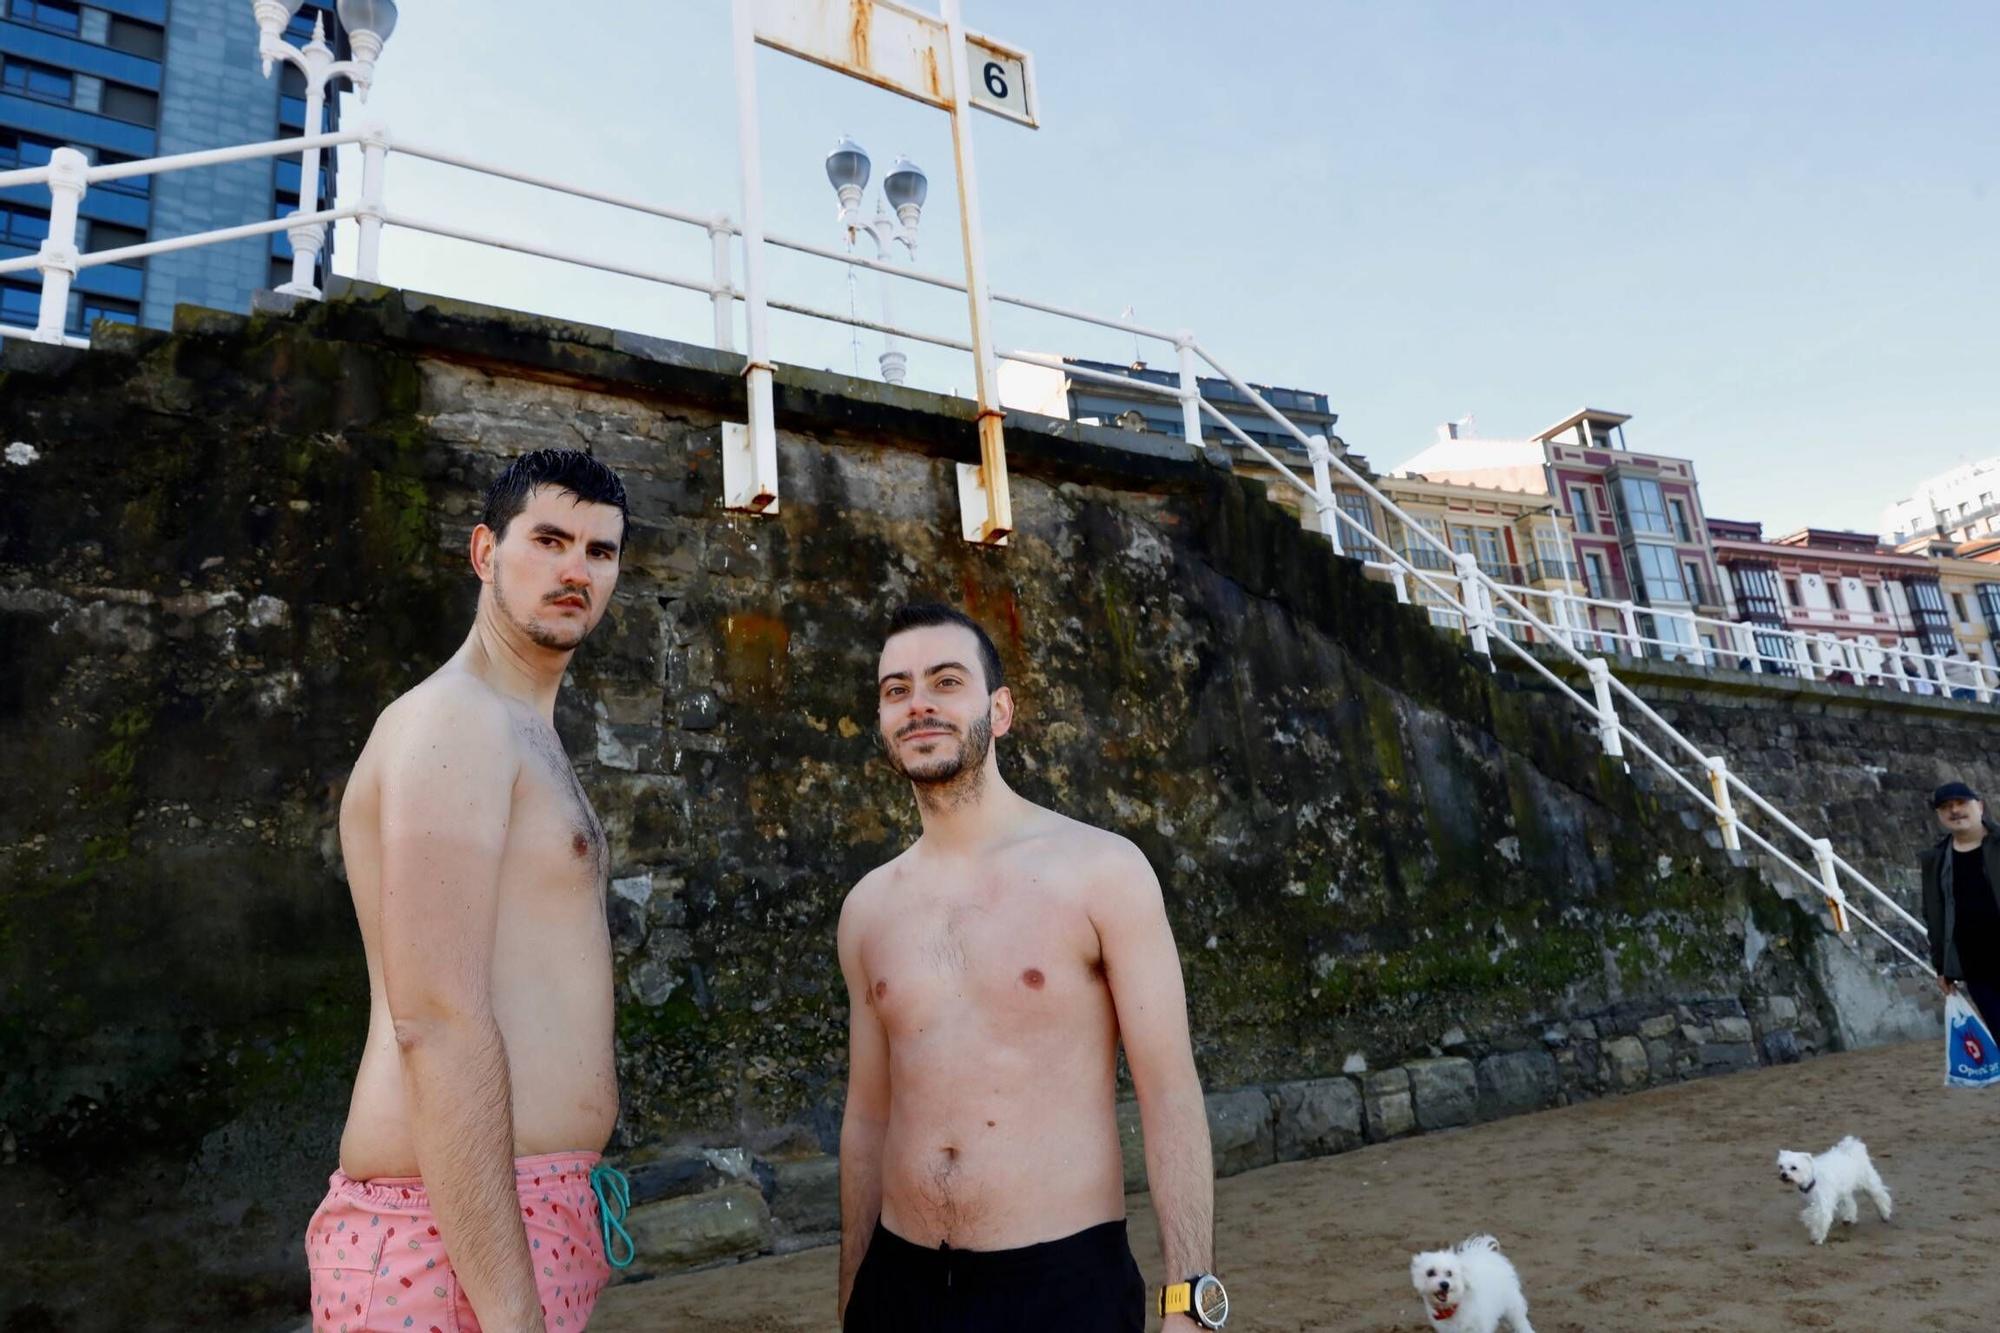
(125, 79)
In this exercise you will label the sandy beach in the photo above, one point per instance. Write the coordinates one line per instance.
(1656, 1211)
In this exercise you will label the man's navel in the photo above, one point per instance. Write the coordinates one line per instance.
(1033, 978)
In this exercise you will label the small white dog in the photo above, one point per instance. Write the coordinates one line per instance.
(1829, 1181)
(1470, 1288)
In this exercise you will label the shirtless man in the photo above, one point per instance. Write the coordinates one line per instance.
(467, 1192)
(992, 970)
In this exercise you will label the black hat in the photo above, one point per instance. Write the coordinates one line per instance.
(1952, 791)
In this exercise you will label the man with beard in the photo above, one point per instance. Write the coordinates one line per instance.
(992, 971)
(468, 1194)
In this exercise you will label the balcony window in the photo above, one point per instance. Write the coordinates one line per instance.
(1645, 507)
(1659, 576)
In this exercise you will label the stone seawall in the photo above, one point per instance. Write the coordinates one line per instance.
(237, 542)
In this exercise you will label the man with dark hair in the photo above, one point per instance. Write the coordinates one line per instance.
(1961, 875)
(993, 970)
(469, 1192)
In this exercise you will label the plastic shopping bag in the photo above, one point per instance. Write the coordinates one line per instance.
(1971, 1057)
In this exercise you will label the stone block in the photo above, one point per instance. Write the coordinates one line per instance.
(1516, 1082)
(1626, 1062)
(728, 1223)
(1723, 1057)
(1781, 1011)
(1443, 1092)
(1781, 1047)
(1732, 1029)
(1240, 1133)
(804, 1193)
(668, 1173)
(1386, 1109)
(1316, 1118)
(1659, 1025)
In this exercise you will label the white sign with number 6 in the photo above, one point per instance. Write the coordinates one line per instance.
(1002, 80)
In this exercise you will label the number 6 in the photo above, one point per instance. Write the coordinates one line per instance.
(996, 79)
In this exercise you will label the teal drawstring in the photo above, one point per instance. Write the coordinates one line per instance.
(608, 1183)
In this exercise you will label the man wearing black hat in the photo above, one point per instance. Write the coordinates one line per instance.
(1962, 899)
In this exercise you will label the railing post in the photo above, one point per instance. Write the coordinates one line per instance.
(1746, 646)
(1630, 616)
(1472, 597)
(1807, 667)
(750, 450)
(68, 179)
(374, 164)
(1829, 883)
(1981, 691)
(1725, 809)
(1329, 524)
(719, 298)
(1190, 388)
(307, 238)
(1607, 713)
(1400, 583)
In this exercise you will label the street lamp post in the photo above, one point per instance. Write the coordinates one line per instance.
(903, 189)
(368, 24)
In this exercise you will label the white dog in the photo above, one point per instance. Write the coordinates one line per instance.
(1470, 1288)
(1829, 1181)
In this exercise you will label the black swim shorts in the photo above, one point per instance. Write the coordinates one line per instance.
(1083, 1283)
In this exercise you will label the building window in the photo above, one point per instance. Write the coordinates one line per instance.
(1875, 598)
(1958, 605)
(1757, 594)
(138, 39)
(103, 307)
(1645, 508)
(23, 226)
(1682, 530)
(1989, 606)
(133, 104)
(1696, 585)
(20, 306)
(1490, 552)
(41, 82)
(1355, 505)
(1597, 579)
(1792, 594)
(111, 236)
(1659, 576)
(55, 14)
(1579, 503)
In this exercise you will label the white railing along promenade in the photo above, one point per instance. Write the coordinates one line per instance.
(1489, 611)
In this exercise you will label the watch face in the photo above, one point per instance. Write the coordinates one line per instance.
(1211, 1302)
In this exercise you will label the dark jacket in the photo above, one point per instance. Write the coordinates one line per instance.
(1938, 913)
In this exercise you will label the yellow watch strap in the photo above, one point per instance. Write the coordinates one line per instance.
(1177, 1299)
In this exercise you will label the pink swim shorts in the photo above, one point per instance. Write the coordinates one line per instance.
(379, 1266)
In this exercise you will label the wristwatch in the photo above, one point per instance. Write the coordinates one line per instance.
(1201, 1298)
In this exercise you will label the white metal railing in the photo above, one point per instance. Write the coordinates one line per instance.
(1758, 648)
(1486, 608)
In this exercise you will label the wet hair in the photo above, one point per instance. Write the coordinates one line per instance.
(925, 615)
(570, 470)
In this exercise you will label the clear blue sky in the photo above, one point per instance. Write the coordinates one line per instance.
(1766, 230)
